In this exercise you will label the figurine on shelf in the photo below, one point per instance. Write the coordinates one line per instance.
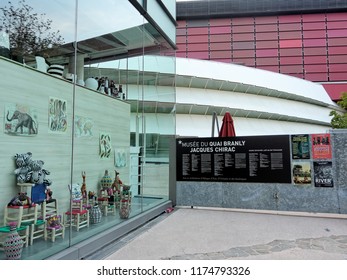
(37, 174)
(49, 194)
(20, 200)
(23, 162)
(54, 222)
(30, 171)
(91, 195)
(117, 183)
(75, 191)
(84, 187)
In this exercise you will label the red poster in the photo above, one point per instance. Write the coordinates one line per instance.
(321, 146)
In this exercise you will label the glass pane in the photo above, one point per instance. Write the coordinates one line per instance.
(103, 103)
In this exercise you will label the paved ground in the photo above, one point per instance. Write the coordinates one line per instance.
(193, 234)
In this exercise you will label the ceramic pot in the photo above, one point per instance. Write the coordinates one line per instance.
(95, 214)
(13, 244)
(106, 181)
(91, 83)
(56, 70)
(124, 209)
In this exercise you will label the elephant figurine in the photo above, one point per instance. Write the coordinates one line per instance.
(24, 120)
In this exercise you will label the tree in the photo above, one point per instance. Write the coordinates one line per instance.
(340, 120)
(29, 32)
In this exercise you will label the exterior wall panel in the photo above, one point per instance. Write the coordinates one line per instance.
(243, 53)
(291, 52)
(316, 76)
(221, 54)
(197, 47)
(267, 61)
(266, 44)
(220, 30)
(220, 46)
(197, 39)
(313, 45)
(220, 38)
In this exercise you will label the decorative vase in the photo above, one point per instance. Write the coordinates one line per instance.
(56, 70)
(124, 209)
(106, 181)
(91, 83)
(95, 214)
(13, 244)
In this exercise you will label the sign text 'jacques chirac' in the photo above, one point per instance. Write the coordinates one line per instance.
(236, 159)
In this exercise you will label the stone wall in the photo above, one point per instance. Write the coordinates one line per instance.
(277, 197)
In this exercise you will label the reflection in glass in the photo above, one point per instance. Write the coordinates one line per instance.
(118, 50)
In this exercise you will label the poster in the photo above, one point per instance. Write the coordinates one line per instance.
(105, 145)
(323, 174)
(120, 157)
(300, 146)
(301, 173)
(57, 118)
(83, 126)
(234, 159)
(321, 146)
(20, 120)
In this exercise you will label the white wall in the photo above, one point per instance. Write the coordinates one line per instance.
(24, 85)
(201, 126)
(252, 76)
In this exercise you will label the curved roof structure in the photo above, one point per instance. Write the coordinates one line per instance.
(261, 102)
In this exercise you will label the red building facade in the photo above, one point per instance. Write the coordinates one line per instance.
(311, 46)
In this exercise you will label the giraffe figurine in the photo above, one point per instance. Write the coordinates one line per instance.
(84, 187)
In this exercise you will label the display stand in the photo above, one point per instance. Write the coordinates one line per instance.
(24, 187)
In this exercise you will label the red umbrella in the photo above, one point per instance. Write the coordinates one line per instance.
(227, 129)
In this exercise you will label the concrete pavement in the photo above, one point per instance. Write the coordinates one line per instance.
(210, 234)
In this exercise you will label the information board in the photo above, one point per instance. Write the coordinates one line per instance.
(263, 159)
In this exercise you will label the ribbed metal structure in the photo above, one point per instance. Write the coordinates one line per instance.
(235, 8)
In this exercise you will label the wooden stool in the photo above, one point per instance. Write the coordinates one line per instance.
(21, 214)
(78, 217)
(27, 216)
(49, 208)
(37, 230)
(107, 207)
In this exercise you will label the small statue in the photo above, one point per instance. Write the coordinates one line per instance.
(117, 183)
(49, 194)
(84, 187)
(91, 195)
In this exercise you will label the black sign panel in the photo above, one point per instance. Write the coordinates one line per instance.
(263, 159)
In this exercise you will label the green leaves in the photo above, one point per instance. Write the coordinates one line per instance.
(339, 120)
(29, 32)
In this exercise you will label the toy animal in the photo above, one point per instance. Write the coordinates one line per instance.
(84, 186)
(37, 175)
(20, 200)
(23, 164)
